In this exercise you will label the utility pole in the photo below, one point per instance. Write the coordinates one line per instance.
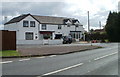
(100, 24)
(88, 23)
(89, 29)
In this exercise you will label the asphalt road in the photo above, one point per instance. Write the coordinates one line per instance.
(103, 61)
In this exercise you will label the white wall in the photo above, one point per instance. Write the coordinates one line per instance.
(65, 30)
(29, 42)
(22, 29)
(12, 27)
(39, 42)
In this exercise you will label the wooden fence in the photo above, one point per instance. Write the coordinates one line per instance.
(7, 40)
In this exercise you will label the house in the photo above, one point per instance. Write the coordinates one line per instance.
(99, 30)
(34, 29)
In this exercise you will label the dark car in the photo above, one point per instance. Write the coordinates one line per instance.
(67, 39)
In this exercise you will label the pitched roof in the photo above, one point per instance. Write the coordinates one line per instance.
(17, 19)
(42, 19)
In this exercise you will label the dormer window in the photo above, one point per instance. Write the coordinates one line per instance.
(68, 22)
(68, 25)
(76, 25)
(32, 23)
(25, 23)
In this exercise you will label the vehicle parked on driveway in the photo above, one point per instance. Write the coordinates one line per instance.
(67, 39)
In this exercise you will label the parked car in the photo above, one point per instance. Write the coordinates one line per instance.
(94, 41)
(67, 39)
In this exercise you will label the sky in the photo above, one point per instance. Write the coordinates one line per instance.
(98, 9)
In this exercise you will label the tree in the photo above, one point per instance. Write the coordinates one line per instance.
(113, 27)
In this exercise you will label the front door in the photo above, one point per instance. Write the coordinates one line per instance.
(77, 36)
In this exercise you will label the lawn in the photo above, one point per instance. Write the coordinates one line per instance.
(9, 53)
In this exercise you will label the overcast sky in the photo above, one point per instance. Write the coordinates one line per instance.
(99, 9)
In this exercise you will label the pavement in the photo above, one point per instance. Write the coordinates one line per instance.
(103, 61)
(53, 49)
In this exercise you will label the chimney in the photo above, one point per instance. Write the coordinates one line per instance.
(5, 19)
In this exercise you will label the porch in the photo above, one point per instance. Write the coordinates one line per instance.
(77, 35)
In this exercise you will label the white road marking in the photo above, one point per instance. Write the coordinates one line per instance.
(40, 57)
(105, 56)
(89, 60)
(52, 56)
(24, 59)
(6, 62)
(63, 69)
(88, 71)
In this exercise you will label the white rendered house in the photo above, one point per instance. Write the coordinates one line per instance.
(33, 29)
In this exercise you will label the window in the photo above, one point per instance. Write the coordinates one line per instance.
(44, 27)
(58, 36)
(59, 27)
(76, 25)
(32, 23)
(47, 36)
(68, 25)
(25, 23)
(29, 35)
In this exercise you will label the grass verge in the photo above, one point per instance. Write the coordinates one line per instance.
(9, 53)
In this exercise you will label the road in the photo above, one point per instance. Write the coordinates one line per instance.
(103, 61)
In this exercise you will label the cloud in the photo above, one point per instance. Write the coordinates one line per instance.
(99, 9)
(40, 8)
(1, 27)
(119, 6)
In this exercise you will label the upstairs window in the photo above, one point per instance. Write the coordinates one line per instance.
(32, 23)
(25, 23)
(59, 27)
(76, 25)
(44, 27)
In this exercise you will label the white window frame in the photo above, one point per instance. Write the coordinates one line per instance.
(24, 24)
(32, 23)
(59, 27)
(43, 26)
(29, 38)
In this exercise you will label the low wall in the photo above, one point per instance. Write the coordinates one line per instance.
(23, 42)
(55, 41)
(38, 42)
